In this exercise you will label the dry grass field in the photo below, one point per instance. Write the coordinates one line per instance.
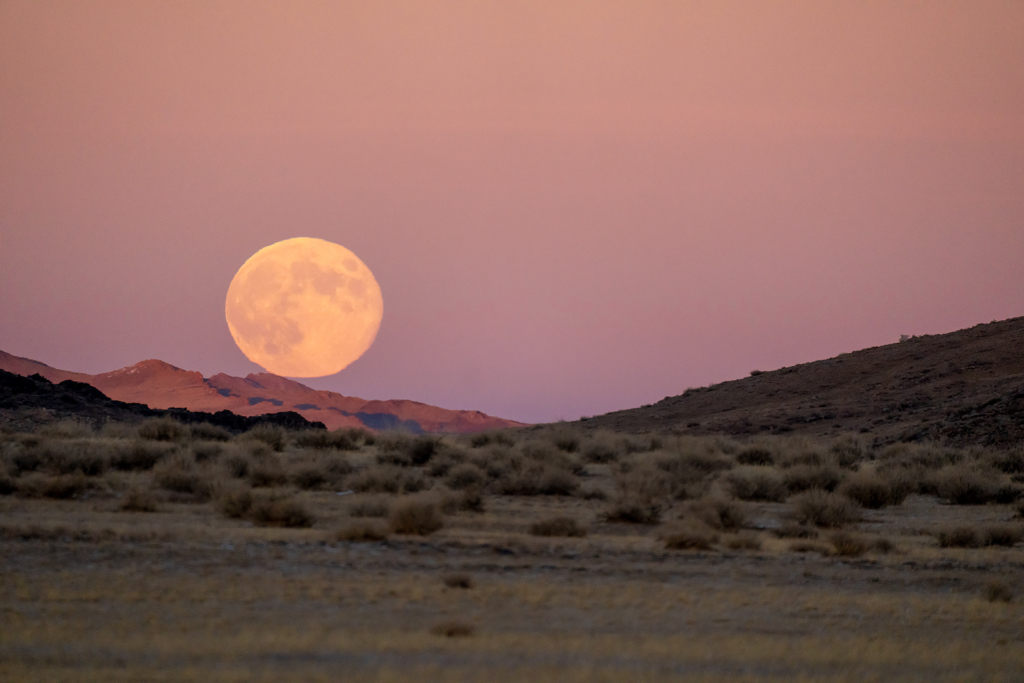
(163, 552)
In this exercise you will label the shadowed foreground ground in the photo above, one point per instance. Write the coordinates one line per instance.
(275, 604)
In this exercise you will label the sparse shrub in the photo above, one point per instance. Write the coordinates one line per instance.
(602, 447)
(808, 477)
(960, 537)
(557, 526)
(420, 516)
(565, 439)
(536, 479)
(1008, 494)
(745, 540)
(471, 500)
(207, 451)
(386, 479)
(1010, 462)
(755, 455)
(235, 502)
(279, 511)
(309, 477)
(345, 439)
(273, 436)
(465, 475)
(182, 476)
(592, 493)
(67, 429)
(997, 591)
(874, 492)
(847, 452)
(461, 581)
(207, 432)
(503, 438)
(794, 530)
(883, 545)
(719, 513)
(1005, 535)
(750, 483)
(237, 465)
(137, 500)
(441, 465)
(370, 506)
(962, 485)
(61, 487)
(690, 537)
(453, 629)
(634, 510)
(846, 544)
(362, 532)
(7, 484)
(810, 546)
(803, 455)
(163, 429)
(829, 510)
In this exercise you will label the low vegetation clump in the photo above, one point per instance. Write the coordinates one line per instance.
(745, 540)
(963, 485)
(270, 510)
(633, 510)
(370, 506)
(828, 510)
(977, 537)
(461, 581)
(874, 492)
(997, 591)
(757, 484)
(361, 532)
(557, 526)
(416, 515)
(138, 500)
(845, 544)
(453, 629)
(690, 536)
(718, 513)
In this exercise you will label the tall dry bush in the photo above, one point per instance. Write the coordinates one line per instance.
(824, 477)
(965, 485)
(345, 439)
(274, 436)
(279, 511)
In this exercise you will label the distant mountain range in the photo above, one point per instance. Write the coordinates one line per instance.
(161, 385)
(964, 387)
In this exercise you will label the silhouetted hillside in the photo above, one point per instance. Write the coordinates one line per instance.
(29, 401)
(963, 387)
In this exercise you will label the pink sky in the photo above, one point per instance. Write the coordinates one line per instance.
(570, 208)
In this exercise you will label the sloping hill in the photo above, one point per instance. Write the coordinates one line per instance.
(962, 387)
(161, 385)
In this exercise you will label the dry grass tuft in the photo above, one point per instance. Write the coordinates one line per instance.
(371, 506)
(461, 581)
(633, 510)
(690, 536)
(718, 513)
(278, 511)
(361, 532)
(963, 485)
(453, 629)
(828, 510)
(809, 546)
(846, 544)
(558, 526)
(875, 492)
(757, 484)
(138, 500)
(745, 540)
(419, 516)
(997, 591)
(960, 537)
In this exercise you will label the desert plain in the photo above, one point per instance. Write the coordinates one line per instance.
(159, 551)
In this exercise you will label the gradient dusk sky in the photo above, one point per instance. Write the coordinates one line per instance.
(570, 207)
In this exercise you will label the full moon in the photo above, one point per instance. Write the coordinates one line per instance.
(304, 307)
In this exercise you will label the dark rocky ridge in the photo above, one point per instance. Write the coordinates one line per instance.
(29, 401)
(961, 388)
